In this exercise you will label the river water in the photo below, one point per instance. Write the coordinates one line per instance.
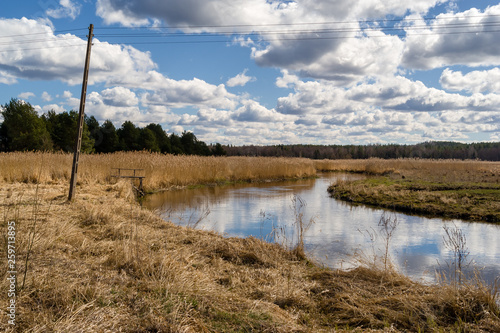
(340, 235)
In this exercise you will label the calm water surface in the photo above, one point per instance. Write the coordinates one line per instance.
(340, 235)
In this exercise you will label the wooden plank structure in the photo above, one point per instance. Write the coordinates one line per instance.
(133, 174)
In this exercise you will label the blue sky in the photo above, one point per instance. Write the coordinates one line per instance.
(264, 72)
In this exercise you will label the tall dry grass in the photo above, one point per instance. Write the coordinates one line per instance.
(161, 171)
(431, 170)
(104, 264)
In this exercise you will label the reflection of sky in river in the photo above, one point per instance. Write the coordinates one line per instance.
(339, 230)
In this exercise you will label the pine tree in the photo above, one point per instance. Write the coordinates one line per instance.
(22, 128)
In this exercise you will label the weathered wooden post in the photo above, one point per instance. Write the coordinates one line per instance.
(78, 143)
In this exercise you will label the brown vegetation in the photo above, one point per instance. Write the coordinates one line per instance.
(161, 171)
(430, 170)
(104, 264)
(467, 190)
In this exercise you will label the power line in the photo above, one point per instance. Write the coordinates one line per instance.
(178, 27)
(186, 27)
(310, 34)
(291, 32)
(208, 41)
(30, 41)
(305, 38)
(287, 32)
(43, 33)
(321, 33)
(41, 48)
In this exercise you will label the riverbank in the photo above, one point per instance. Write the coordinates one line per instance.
(468, 190)
(103, 263)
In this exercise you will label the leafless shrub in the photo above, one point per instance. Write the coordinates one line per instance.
(388, 225)
(455, 241)
(300, 225)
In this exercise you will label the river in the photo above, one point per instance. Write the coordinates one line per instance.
(340, 235)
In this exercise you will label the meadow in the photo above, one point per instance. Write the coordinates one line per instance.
(102, 263)
(166, 171)
(161, 171)
(468, 190)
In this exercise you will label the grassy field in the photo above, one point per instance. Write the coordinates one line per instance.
(161, 171)
(102, 263)
(467, 190)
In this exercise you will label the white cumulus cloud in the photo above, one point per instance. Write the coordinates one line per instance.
(61, 57)
(119, 96)
(67, 9)
(463, 38)
(53, 107)
(46, 96)
(26, 95)
(473, 82)
(240, 80)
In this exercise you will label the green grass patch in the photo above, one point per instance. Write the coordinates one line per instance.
(222, 321)
(463, 200)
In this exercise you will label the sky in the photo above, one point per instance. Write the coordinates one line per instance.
(263, 72)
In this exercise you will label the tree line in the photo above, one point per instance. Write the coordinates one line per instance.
(23, 129)
(487, 151)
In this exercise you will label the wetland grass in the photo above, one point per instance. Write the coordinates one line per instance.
(161, 171)
(105, 264)
(468, 190)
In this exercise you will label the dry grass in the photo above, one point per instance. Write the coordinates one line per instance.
(104, 264)
(165, 171)
(161, 171)
(467, 190)
(430, 170)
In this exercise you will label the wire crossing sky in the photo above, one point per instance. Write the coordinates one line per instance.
(264, 72)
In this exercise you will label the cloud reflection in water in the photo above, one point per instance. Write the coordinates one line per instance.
(339, 231)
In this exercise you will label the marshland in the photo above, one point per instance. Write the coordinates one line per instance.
(105, 263)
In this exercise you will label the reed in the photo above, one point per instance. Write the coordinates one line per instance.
(431, 170)
(161, 171)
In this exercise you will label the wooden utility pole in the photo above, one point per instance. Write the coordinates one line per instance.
(78, 143)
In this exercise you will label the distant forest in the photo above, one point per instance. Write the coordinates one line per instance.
(23, 129)
(488, 151)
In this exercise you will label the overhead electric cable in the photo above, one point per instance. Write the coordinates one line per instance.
(297, 38)
(266, 35)
(364, 33)
(42, 33)
(41, 48)
(297, 23)
(308, 33)
(30, 41)
(285, 32)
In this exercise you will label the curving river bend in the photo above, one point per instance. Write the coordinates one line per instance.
(341, 233)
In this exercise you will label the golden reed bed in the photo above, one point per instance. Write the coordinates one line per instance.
(164, 171)
(161, 171)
